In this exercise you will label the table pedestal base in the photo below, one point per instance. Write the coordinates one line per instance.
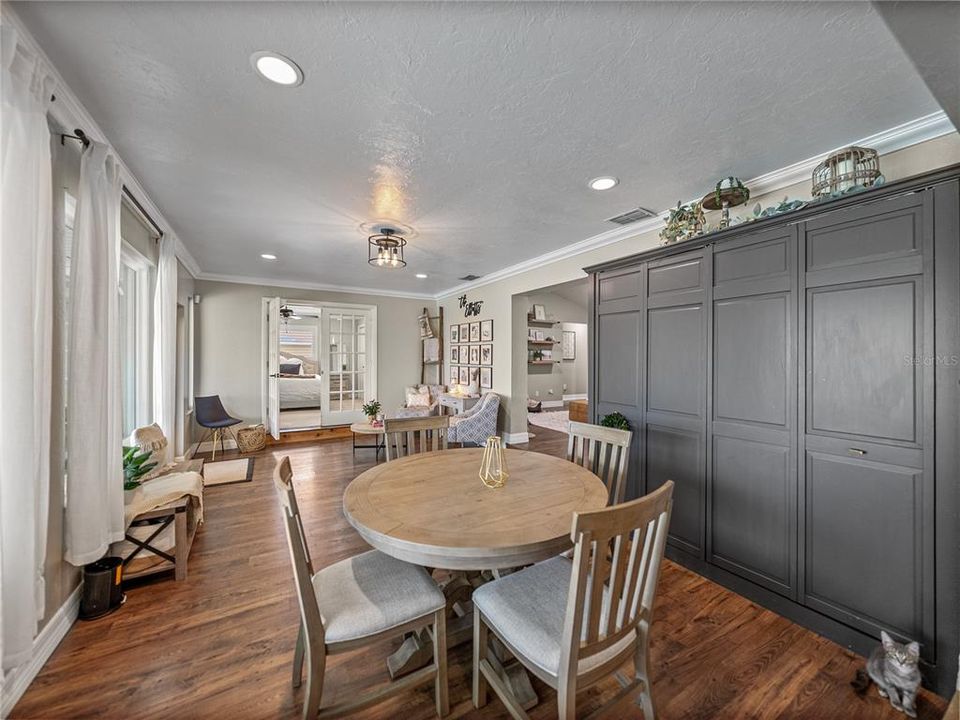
(416, 651)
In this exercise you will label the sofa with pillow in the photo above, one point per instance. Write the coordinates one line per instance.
(421, 401)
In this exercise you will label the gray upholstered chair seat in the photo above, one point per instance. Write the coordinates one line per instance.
(370, 593)
(527, 610)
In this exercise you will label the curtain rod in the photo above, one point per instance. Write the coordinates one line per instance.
(80, 135)
(142, 211)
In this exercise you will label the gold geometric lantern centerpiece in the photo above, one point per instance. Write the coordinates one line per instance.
(385, 249)
(493, 466)
(845, 169)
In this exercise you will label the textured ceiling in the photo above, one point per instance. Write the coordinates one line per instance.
(477, 124)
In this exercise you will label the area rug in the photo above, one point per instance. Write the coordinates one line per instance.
(227, 472)
(558, 420)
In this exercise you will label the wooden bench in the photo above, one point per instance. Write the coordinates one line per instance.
(182, 514)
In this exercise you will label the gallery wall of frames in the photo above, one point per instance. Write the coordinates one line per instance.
(471, 353)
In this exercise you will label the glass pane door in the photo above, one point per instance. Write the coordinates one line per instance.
(348, 364)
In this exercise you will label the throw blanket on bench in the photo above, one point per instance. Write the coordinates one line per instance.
(162, 490)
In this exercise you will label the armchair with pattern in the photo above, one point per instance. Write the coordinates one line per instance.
(478, 423)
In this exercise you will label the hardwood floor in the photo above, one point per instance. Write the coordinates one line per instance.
(220, 644)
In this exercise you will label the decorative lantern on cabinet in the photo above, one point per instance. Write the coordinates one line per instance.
(729, 192)
(845, 169)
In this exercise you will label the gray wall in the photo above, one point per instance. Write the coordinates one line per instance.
(228, 340)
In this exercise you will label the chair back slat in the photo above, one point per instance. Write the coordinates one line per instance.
(603, 451)
(408, 436)
(616, 564)
(299, 555)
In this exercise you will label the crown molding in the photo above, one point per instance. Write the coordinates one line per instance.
(325, 287)
(902, 136)
(885, 142)
(70, 113)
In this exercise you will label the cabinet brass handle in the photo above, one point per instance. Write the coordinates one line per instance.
(857, 451)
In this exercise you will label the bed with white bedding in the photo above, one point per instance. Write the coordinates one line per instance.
(299, 392)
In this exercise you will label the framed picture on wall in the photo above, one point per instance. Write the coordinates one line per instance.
(486, 377)
(568, 347)
(486, 330)
(454, 333)
(455, 354)
(474, 355)
(539, 312)
(539, 336)
(454, 375)
(464, 375)
(486, 354)
(475, 332)
(464, 332)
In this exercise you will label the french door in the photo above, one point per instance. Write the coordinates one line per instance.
(348, 360)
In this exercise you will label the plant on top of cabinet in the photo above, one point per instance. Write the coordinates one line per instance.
(684, 222)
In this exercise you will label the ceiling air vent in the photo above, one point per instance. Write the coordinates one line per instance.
(632, 216)
(470, 278)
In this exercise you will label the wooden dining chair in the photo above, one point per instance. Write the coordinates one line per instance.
(603, 451)
(407, 436)
(571, 623)
(356, 602)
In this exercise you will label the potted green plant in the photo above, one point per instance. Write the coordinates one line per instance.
(615, 420)
(371, 410)
(537, 355)
(135, 466)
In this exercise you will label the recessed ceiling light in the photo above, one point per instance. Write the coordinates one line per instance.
(276, 68)
(604, 182)
(268, 256)
(421, 276)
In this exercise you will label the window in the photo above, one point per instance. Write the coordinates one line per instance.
(135, 314)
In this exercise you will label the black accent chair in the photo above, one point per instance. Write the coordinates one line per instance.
(211, 415)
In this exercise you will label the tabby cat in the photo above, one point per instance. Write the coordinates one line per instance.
(893, 667)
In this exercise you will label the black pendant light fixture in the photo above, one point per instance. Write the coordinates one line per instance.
(385, 249)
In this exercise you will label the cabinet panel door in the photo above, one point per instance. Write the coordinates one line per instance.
(675, 359)
(751, 359)
(752, 473)
(752, 501)
(676, 454)
(864, 545)
(675, 390)
(862, 380)
(618, 371)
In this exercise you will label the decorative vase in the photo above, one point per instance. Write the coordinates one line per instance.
(493, 466)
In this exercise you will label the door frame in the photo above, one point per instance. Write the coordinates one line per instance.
(372, 352)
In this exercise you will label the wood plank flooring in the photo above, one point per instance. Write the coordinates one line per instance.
(220, 644)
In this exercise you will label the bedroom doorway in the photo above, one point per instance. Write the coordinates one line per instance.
(319, 361)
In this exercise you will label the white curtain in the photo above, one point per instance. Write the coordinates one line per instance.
(26, 322)
(94, 516)
(165, 344)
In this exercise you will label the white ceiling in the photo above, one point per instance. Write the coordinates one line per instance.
(478, 124)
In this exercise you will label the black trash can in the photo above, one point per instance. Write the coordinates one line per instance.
(102, 588)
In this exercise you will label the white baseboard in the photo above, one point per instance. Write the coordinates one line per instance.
(17, 681)
(551, 403)
(577, 396)
(516, 438)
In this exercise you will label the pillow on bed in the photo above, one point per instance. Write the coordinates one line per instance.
(291, 368)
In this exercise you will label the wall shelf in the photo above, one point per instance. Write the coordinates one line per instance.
(543, 362)
(545, 343)
(531, 320)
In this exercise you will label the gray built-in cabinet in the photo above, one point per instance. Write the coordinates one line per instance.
(799, 380)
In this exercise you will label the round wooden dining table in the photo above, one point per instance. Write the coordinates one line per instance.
(432, 509)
